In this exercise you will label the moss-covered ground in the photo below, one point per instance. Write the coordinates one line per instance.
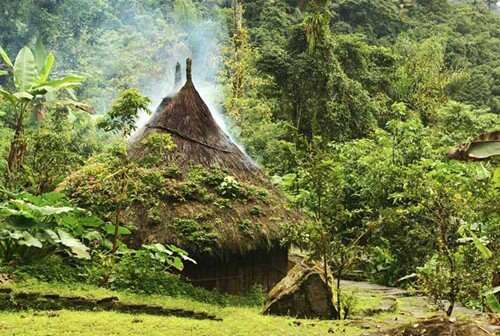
(237, 320)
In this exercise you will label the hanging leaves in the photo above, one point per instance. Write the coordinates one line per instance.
(482, 147)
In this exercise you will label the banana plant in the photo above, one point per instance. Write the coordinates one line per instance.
(32, 82)
(483, 147)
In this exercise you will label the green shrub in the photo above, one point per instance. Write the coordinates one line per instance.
(33, 227)
(382, 266)
(202, 237)
(53, 268)
(159, 145)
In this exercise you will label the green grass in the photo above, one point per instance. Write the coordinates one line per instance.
(237, 320)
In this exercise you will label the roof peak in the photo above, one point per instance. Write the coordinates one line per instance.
(178, 77)
(189, 78)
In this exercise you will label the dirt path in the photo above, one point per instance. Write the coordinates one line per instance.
(410, 307)
(413, 303)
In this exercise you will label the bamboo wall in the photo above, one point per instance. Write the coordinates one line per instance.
(237, 274)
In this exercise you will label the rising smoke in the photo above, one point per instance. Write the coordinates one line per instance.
(138, 45)
(199, 38)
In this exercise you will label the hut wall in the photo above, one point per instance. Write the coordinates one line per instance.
(237, 274)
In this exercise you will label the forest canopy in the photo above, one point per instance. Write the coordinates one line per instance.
(349, 106)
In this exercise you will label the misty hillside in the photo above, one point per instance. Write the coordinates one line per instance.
(249, 167)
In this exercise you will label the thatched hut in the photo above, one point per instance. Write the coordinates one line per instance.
(234, 228)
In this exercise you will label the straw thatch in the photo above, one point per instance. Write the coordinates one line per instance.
(198, 138)
(249, 222)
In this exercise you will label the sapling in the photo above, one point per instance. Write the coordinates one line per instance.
(122, 119)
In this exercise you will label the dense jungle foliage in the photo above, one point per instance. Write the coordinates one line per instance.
(349, 105)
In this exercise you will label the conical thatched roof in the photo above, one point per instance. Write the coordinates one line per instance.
(186, 117)
(212, 221)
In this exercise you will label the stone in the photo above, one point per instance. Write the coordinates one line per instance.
(5, 290)
(301, 293)
(25, 295)
(51, 296)
(387, 305)
(107, 299)
(49, 302)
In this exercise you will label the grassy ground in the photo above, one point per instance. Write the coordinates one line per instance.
(236, 320)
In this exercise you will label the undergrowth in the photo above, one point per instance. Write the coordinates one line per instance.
(126, 276)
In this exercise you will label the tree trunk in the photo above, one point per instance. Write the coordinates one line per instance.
(17, 147)
(339, 296)
(328, 290)
(116, 234)
(238, 42)
(119, 211)
(238, 15)
(453, 282)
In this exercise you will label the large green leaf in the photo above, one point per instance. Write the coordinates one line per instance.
(52, 235)
(93, 235)
(23, 95)
(492, 302)
(17, 208)
(46, 69)
(70, 81)
(19, 218)
(41, 90)
(482, 173)
(496, 177)
(491, 299)
(177, 263)
(26, 239)
(483, 147)
(49, 210)
(40, 54)
(486, 252)
(44, 199)
(91, 221)
(5, 57)
(3, 73)
(483, 150)
(78, 249)
(110, 229)
(49, 197)
(24, 70)
(158, 248)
